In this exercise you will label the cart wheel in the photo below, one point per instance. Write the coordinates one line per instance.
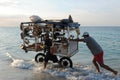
(66, 62)
(39, 57)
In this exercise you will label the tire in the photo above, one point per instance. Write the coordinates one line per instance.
(39, 57)
(66, 62)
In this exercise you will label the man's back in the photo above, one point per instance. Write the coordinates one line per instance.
(94, 47)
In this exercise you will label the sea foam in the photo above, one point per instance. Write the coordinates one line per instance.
(78, 72)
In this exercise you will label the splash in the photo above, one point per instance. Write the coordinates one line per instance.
(81, 72)
(78, 72)
(10, 56)
(20, 63)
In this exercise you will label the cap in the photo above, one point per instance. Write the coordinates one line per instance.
(85, 33)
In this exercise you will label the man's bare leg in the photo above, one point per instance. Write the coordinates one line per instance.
(96, 65)
(109, 69)
(45, 64)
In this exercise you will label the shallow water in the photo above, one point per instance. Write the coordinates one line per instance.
(16, 64)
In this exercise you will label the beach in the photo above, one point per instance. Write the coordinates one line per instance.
(18, 65)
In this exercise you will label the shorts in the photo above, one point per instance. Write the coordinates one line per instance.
(51, 57)
(99, 58)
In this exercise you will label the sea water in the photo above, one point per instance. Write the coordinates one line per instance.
(15, 64)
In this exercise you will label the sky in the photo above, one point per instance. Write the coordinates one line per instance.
(86, 12)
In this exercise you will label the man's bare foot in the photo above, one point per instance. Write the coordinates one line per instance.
(115, 72)
(98, 72)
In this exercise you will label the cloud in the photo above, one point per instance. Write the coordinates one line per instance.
(8, 3)
(84, 12)
(93, 18)
(13, 21)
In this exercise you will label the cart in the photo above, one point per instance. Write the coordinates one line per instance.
(62, 32)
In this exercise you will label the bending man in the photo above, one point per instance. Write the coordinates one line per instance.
(97, 52)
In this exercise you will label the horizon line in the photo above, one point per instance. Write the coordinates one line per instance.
(80, 26)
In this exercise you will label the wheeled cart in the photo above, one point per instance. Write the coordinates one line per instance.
(62, 33)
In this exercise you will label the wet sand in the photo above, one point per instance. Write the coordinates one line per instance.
(46, 76)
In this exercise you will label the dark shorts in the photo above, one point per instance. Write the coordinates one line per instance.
(99, 58)
(51, 57)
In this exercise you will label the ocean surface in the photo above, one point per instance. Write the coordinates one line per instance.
(15, 64)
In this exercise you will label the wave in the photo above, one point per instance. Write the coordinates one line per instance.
(79, 72)
(20, 63)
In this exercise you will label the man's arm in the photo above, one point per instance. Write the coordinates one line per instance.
(79, 40)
